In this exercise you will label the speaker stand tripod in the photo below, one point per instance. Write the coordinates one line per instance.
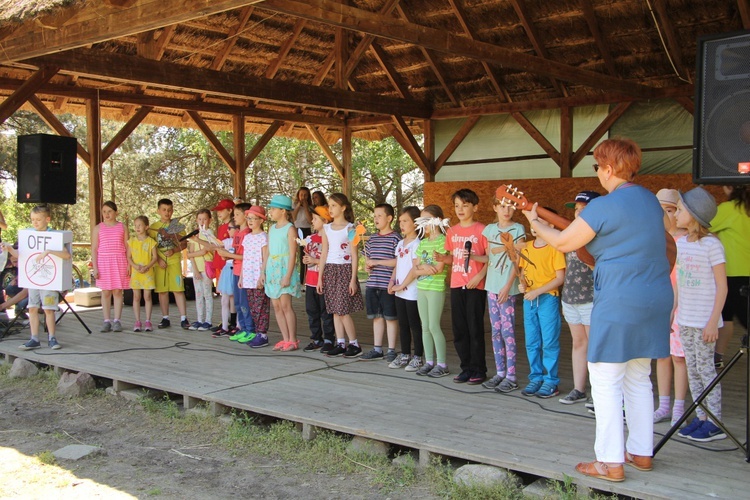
(68, 308)
(742, 351)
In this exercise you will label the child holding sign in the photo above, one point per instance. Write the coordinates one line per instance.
(47, 300)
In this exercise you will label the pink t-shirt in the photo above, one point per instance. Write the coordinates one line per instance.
(238, 249)
(252, 259)
(455, 241)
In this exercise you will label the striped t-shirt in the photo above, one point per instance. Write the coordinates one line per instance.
(381, 247)
(696, 286)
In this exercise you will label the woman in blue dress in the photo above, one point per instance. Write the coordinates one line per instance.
(624, 231)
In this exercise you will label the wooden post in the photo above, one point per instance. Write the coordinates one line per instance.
(346, 153)
(566, 142)
(238, 126)
(94, 143)
(429, 148)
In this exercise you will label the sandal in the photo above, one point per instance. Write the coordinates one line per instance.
(601, 470)
(640, 462)
(291, 346)
(280, 345)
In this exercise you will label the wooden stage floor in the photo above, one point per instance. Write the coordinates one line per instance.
(536, 437)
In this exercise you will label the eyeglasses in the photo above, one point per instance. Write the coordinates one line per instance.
(596, 167)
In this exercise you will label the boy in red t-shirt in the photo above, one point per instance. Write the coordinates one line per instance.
(468, 296)
(315, 304)
(224, 213)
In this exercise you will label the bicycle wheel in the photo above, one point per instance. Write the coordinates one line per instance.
(77, 278)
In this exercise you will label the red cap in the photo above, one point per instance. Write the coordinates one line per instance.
(225, 204)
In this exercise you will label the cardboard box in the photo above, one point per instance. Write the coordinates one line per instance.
(88, 297)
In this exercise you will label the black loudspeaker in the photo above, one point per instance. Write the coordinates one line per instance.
(47, 169)
(721, 134)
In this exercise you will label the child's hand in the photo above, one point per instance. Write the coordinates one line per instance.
(353, 286)
(710, 334)
(261, 281)
(521, 286)
(473, 282)
(42, 256)
(197, 275)
(162, 263)
(286, 281)
(502, 296)
(531, 294)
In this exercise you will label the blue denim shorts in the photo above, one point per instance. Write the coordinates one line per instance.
(380, 304)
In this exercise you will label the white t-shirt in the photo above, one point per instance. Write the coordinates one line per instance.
(696, 286)
(405, 255)
(338, 245)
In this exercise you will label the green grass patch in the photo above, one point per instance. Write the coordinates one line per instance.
(46, 457)
(162, 406)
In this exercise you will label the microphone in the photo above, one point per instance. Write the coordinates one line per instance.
(190, 235)
(467, 248)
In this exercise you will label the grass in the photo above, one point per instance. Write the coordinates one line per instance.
(46, 457)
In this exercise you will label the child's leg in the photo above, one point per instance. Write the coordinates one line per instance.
(137, 304)
(34, 322)
(226, 301)
(280, 319)
(200, 303)
(378, 330)
(437, 301)
(580, 335)
(707, 372)
(412, 312)
(680, 387)
(106, 304)
(338, 324)
(689, 337)
(476, 301)
(291, 318)
(664, 382)
(148, 299)
(260, 309)
(329, 330)
(208, 297)
(179, 298)
(348, 323)
(423, 306)
(391, 329)
(508, 319)
(119, 301)
(459, 321)
(312, 308)
(49, 319)
(164, 303)
(404, 327)
(533, 333)
(498, 341)
(550, 322)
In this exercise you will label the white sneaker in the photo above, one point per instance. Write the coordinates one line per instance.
(415, 364)
(401, 361)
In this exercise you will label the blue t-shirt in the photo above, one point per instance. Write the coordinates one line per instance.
(500, 265)
(632, 292)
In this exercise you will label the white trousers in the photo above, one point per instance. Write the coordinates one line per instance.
(611, 384)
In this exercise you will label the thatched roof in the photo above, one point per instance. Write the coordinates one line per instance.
(636, 48)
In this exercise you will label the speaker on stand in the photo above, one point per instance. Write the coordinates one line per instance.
(47, 169)
(721, 133)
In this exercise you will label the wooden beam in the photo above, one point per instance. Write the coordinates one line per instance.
(346, 160)
(274, 66)
(170, 75)
(94, 143)
(531, 33)
(432, 63)
(686, 103)
(666, 29)
(108, 22)
(329, 12)
(125, 132)
(340, 49)
(467, 126)
(240, 167)
(180, 104)
(428, 130)
(56, 125)
(318, 137)
(537, 136)
(558, 102)
(393, 76)
(590, 15)
(221, 55)
(599, 132)
(216, 145)
(411, 146)
(458, 10)
(743, 6)
(261, 143)
(152, 44)
(566, 142)
(26, 90)
(361, 49)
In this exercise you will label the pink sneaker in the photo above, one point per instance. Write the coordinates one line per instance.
(148, 327)
(137, 326)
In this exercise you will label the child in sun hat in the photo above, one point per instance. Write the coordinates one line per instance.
(699, 296)
(281, 280)
(322, 332)
(252, 276)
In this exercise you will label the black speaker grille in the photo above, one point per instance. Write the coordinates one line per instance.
(722, 134)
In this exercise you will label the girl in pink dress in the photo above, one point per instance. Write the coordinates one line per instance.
(110, 263)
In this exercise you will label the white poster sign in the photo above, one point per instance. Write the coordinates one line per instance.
(50, 273)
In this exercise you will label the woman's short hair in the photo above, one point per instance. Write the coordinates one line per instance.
(623, 155)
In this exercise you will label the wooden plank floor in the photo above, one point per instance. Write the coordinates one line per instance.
(534, 436)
